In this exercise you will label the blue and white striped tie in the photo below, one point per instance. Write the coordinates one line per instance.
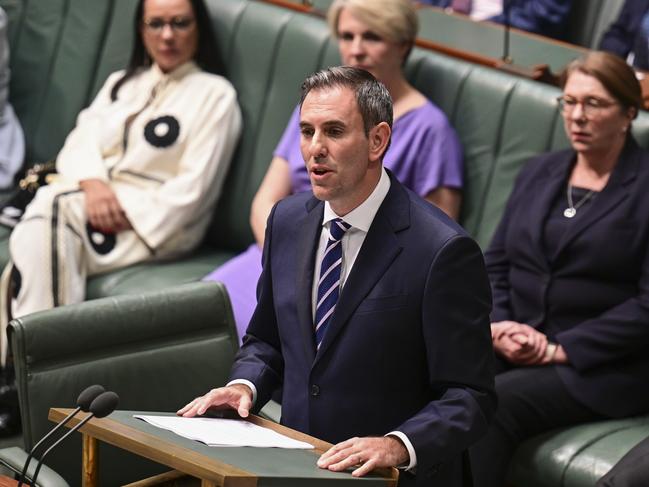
(329, 283)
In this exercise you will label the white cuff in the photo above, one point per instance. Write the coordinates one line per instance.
(246, 383)
(409, 447)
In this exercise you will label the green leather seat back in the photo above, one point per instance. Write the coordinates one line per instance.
(62, 51)
(576, 456)
(13, 9)
(268, 52)
(157, 351)
(115, 49)
(48, 95)
(501, 120)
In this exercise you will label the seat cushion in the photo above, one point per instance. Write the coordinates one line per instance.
(576, 456)
(156, 275)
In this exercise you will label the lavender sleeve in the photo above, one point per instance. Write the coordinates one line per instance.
(442, 160)
(425, 153)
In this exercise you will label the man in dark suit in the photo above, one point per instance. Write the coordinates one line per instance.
(629, 33)
(373, 306)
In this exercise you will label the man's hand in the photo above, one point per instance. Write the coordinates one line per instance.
(102, 207)
(369, 453)
(236, 396)
(519, 343)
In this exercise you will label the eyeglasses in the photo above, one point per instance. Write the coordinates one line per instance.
(590, 106)
(177, 24)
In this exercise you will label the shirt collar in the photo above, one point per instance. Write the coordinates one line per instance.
(362, 216)
(179, 72)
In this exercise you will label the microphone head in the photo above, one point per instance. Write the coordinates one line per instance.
(104, 404)
(88, 395)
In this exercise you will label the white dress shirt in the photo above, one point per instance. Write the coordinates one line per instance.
(360, 219)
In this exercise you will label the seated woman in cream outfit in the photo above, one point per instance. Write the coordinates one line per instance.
(425, 153)
(140, 173)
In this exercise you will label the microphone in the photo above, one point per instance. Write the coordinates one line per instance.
(85, 399)
(101, 406)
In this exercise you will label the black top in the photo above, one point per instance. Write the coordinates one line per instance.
(556, 223)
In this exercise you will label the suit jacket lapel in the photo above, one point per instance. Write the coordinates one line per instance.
(378, 251)
(307, 244)
(611, 196)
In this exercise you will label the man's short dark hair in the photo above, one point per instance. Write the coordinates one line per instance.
(372, 97)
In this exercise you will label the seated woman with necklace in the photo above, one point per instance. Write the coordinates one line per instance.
(569, 267)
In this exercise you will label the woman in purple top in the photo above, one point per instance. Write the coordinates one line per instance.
(425, 153)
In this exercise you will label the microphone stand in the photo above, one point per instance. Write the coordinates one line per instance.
(56, 443)
(507, 59)
(33, 450)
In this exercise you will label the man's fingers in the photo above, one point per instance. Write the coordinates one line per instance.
(364, 455)
(190, 410)
(326, 457)
(244, 406)
(348, 461)
(186, 407)
(331, 457)
(214, 398)
(365, 468)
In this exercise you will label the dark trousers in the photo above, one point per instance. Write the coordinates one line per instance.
(531, 400)
(632, 470)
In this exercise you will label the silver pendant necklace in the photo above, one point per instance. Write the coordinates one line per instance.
(571, 211)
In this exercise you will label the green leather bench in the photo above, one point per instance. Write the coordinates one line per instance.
(486, 39)
(63, 50)
(157, 351)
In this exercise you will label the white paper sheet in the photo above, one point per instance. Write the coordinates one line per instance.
(224, 432)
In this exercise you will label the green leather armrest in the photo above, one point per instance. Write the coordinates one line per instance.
(157, 351)
(14, 459)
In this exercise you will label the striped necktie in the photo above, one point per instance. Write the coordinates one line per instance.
(329, 283)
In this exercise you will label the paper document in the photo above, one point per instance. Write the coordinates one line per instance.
(224, 432)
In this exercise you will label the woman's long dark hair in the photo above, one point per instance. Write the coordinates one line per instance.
(206, 56)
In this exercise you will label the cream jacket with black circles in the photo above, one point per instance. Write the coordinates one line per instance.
(164, 146)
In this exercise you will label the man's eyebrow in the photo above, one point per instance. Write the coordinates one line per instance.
(327, 124)
(334, 123)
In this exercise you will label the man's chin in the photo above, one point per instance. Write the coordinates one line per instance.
(320, 192)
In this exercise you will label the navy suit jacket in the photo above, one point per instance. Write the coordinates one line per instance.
(545, 17)
(408, 347)
(592, 296)
(621, 36)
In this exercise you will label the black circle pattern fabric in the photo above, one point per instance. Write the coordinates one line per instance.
(16, 280)
(102, 243)
(161, 132)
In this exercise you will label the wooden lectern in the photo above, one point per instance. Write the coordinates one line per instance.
(214, 466)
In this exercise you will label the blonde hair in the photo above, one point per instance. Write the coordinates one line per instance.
(394, 20)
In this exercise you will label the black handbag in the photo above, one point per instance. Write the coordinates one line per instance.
(36, 176)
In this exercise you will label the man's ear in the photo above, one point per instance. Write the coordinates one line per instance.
(379, 138)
